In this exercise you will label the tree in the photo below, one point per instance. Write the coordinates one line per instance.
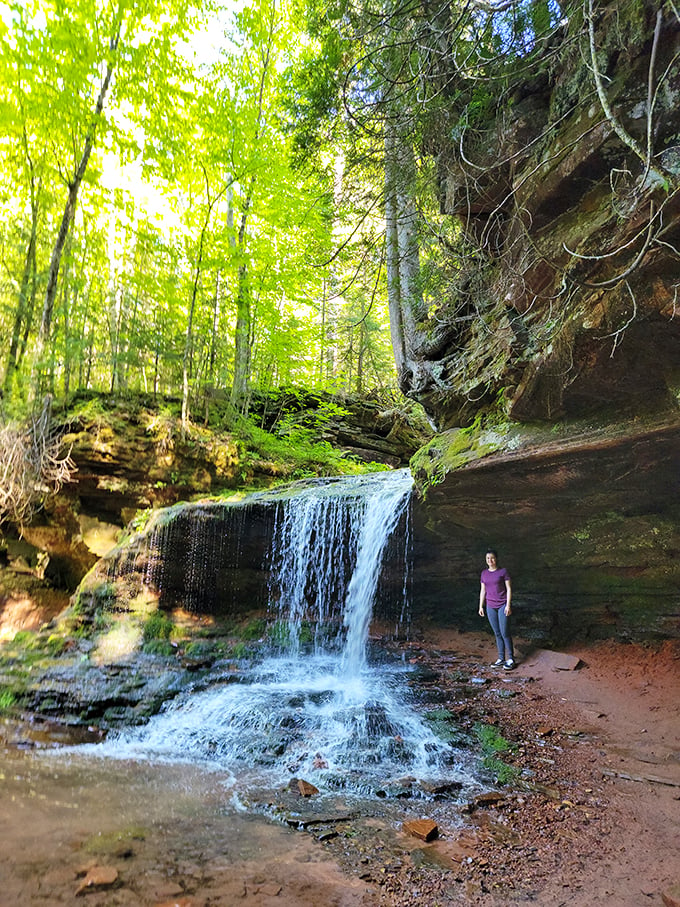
(210, 269)
(67, 63)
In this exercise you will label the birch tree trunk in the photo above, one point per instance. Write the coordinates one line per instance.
(404, 294)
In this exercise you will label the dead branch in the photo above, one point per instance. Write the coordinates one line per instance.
(33, 466)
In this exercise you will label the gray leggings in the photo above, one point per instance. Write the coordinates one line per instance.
(500, 624)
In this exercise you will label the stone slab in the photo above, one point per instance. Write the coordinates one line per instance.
(548, 660)
(425, 829)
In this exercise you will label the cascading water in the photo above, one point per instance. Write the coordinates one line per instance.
(327, 554)
(318, 709)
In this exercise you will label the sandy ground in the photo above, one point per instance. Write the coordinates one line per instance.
(599, 824)
(625, 702)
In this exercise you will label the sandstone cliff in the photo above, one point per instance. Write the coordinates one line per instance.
(563, 298)
(552, 368)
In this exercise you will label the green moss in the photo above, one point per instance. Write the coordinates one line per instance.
(161, 647)
(255, 629)
(241, 651)
(25, 639)
(55, 645)
(111, 842)
(29, 646)
(7, 701)
(158, 626)
(279, 635)
(456, 448)
(201, 648)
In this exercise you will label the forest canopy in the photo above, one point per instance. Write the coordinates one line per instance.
(157, 232)
(204, 199)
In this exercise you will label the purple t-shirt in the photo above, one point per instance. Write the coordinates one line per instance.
(494, 582)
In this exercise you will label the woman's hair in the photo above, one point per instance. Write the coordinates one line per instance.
(492, 551)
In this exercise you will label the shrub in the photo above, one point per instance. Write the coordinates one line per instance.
(492, 743)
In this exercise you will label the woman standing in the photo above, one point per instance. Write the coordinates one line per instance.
(496, 592)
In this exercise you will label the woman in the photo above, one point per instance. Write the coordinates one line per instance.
(496, 593)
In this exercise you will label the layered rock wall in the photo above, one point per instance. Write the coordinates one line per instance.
(588, 526)
(555, 375)
(563, 298)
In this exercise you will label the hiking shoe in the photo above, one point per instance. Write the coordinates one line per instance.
(497, 663)
(509, 664)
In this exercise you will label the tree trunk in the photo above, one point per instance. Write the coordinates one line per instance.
(405, 300)
(198, 270)
(239, 387)
(24, 303)
(67, 331)
(67, 217)
(242, 336)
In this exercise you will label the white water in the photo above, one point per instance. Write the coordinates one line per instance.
(327, 553)
(322, 712)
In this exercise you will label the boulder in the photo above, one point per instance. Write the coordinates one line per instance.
(425, 829)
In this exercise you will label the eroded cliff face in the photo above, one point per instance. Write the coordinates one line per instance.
(553, 366)
(131, 461)
(587, 524)
(565, 299)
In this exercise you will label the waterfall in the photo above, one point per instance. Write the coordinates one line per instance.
(315, 708)
(326, 555)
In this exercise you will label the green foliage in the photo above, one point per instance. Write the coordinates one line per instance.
(141, 518)
(158, 626)
(306, 633)
(26, 639)
(279, 633)
(162, 647)
(7, 701)
(214, 224)
(492, 743)
(442, 722)
(55, 645)
(202, 648)
(31, 646)
(255, 629)
(490, 739)
(298, 451)
(240, 651)
(103, 620)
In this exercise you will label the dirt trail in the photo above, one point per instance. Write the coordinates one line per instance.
(626, 700)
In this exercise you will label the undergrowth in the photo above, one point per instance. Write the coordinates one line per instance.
(492, 743)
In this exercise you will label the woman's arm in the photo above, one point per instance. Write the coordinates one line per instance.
(482, 599)
(508, 597)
